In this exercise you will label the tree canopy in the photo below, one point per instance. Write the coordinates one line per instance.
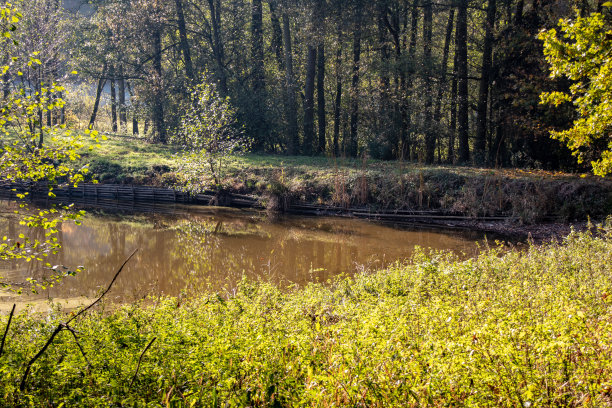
(35, 147)
(581, 51)
(436, 82)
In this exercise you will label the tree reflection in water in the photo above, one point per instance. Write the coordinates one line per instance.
(191, 252)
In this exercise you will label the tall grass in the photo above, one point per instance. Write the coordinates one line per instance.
(505, 329)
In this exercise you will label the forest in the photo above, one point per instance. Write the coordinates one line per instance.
(433, 82)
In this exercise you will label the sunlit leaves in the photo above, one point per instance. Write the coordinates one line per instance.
(34, 151)
(580, 51)
(209, 133)
(524, 328)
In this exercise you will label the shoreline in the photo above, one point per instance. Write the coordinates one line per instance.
(157, 199)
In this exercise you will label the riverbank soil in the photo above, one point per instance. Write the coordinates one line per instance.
(519, 196)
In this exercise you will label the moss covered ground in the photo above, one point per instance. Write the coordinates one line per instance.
(508, 328)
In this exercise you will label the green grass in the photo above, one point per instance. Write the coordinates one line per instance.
(121, 157)
(506, 329)
(136, 157)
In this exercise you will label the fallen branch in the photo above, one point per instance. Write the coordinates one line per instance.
(140, 361)
(76, 340)
(57, 330)
(8, 324)
(63, 326)
(110, 285)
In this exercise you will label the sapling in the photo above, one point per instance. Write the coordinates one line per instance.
(209, 133)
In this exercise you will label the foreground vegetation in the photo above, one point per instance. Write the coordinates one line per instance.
(509, 328)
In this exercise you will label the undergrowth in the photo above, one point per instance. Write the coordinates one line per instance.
(508, 329)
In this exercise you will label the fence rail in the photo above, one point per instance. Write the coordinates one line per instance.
(146, 198)
(127, 196)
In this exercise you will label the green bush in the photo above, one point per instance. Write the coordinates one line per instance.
(509, 328)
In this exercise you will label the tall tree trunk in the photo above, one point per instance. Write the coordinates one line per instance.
(483, 93)
(101, 83)
(462, 81)
(258, 117)
(277, 35)
(183, 39)
(398, 34)
(320, 27)
(386, 131)
(407, 148)
(41, 133)
(158, 103)
(217, 46)
(322, 120)
(257, 47)
(498, 148)
(444, 68)
(49, 112)
(430, 139)
(62, 118)
(113, 91)
(353, 144)
(122, 107)
(338, 99)
(453, 115)
(293, 141)
(134, 110)
(309, 132)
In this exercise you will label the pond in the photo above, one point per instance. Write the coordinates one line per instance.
(191, 249)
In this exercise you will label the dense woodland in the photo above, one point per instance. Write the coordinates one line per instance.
(446, 81)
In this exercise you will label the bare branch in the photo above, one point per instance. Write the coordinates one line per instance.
(8, 324)
(57, 330)
(140, 361)
(63, 326)
(76, 339)
(105, 292)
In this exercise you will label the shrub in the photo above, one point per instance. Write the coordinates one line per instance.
(507, 329)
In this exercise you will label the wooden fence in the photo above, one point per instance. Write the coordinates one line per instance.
(147, 199)
(93, 193)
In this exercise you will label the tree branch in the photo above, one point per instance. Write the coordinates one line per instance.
(8, 324)
(63, 326)
(57, 330)
(76, 339)
(105, 292)
(140, 361)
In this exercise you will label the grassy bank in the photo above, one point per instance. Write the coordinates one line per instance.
(529, 195)
(530, 328)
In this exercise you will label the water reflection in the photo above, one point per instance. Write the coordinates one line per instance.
(199, 248)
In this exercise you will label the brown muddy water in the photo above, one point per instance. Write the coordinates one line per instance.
(192, 249)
